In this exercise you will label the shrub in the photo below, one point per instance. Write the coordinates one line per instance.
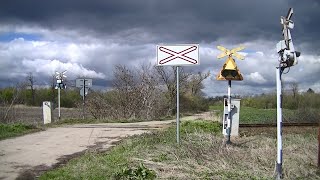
(135, 173)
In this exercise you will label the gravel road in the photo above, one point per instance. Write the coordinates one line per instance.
(28, 155)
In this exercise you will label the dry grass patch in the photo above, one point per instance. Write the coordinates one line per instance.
(203, 154)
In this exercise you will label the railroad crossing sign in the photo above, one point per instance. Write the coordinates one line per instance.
(84, 91)
(232, 52)
(178, 55)
(83, 83)
(60, 85)
(60, 78)
(285, 48)
(61, 75)
(230, 70)
(287, 57)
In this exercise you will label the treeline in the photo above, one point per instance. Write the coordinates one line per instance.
(148, 92)
(291, 100)
(22, 95)
(138, 92)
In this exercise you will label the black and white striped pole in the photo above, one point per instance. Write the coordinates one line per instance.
(287, 57)
(279, 71)
(229, 121)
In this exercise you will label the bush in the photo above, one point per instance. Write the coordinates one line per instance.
(132, 173)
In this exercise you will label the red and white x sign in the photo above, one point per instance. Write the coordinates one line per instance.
(178, 55)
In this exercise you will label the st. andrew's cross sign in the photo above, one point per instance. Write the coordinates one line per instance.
(178, 55)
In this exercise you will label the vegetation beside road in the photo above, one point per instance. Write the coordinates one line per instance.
(135, 95)
(13, 130)
(202, 154)
(258, 115)
(116, 162)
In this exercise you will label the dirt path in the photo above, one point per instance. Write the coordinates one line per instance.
(43, 150)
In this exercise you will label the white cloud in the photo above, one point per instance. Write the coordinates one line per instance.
(260, 53)
(95, 58)
(21, 56)
(256, 77)
(83, 55)
(308, 59)
(48, 67)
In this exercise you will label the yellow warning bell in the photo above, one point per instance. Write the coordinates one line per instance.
(229, 70)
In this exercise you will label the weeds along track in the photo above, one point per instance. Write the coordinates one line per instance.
(283, 124)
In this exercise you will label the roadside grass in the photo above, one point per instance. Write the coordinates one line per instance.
(19, 129)
(202, 154)
(13, 130)
(71, 121)
(85, 121)
(112, 164)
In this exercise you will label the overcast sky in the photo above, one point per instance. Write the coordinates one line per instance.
(88, 37)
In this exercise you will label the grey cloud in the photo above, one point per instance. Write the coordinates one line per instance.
(163, 21)
(112, 32)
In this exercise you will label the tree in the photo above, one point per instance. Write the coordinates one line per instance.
(311, 91)
(294, 89)
(52, 87)
(168, 76)
(31, 81)
(11, 96)
(136, 95)
(195, 82)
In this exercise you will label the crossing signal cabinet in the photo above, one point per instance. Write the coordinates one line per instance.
(47, 108)
(235, 112)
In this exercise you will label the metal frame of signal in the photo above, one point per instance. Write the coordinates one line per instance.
(287, 56)
(229, 120)
(229, 53)
(60, 76)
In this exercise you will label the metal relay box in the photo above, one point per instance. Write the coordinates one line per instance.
(235, 112)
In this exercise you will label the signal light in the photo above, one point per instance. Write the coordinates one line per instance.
(230, 71)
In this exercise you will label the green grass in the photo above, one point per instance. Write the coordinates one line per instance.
(86, 121)
(13, 130)
(255, 115)
(96, 121)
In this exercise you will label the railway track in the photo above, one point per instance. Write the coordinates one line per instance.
(283, 124)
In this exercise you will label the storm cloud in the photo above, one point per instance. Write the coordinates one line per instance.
(89, 37)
